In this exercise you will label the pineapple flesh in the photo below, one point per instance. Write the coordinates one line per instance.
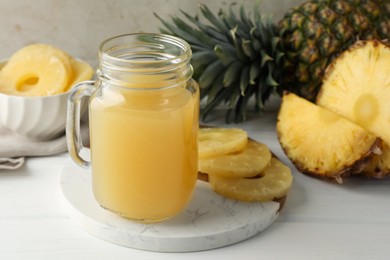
(273, 183)
(320, 142)
(247, 163)
(357, 87)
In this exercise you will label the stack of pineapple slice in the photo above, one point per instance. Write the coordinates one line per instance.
(42, 70)
(240, 168)
(348, 131)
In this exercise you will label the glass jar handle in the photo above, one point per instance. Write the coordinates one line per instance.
(73, 138)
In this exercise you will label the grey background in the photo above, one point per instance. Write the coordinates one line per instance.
(78, 26)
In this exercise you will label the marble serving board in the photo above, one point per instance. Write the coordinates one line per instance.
(210, 220)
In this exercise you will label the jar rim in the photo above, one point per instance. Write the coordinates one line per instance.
(115, 43)
(144, 54)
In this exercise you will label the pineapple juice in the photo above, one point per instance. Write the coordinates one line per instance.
(145, 166)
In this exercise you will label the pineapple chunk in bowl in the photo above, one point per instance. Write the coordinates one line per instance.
(39, 117)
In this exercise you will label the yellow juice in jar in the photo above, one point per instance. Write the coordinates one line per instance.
(146, 165)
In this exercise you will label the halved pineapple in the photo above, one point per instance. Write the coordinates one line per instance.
(220, 141)
(357, 87)
(274, 182)
(252, 160)
(321, 143)
(36, 70)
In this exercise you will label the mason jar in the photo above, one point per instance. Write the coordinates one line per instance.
(143, 119)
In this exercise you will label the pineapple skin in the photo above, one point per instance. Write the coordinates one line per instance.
(321, 143)
(379, 166)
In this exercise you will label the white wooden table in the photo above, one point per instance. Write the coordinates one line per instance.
(320, 220)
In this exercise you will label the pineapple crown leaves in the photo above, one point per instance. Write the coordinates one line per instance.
(234, 57)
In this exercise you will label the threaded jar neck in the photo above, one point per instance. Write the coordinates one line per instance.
(134, 60)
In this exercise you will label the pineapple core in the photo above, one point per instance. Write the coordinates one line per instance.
(365, 110)
(27, 84)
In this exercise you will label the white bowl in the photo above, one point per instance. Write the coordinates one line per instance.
(39, 118)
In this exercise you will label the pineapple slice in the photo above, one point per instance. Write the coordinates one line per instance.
(274, 182)
(247, 163)
(215, 142)
(36, 70)
(357, 87)
(321, 143)
(82, 71)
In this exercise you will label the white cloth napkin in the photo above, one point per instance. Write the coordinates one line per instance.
(14, 148)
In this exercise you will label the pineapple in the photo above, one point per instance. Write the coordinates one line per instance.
(322, 143)
(215, 142)
(247, 163)
(36, 70)
(357, 87)
(272, 183)
(236, 57)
